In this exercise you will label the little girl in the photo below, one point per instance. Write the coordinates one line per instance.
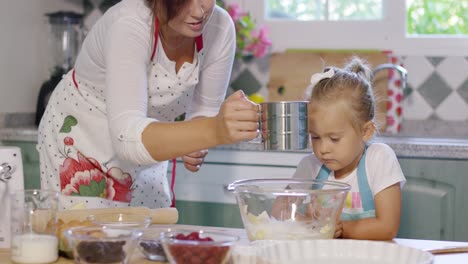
(341, 116)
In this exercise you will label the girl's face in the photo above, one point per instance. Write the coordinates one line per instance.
(334, 140)
(192, 18)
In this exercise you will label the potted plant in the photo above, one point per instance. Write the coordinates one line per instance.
(253, 46)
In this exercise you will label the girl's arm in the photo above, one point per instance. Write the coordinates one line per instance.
(387, 221)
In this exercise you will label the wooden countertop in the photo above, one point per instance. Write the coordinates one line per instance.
(452, 258)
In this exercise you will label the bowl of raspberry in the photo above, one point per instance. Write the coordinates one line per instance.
(197, 246)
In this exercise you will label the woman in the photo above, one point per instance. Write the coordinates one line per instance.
(108, 129)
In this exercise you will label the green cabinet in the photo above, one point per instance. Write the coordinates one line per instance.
(209, 214)
(30, 158)
(435, 199)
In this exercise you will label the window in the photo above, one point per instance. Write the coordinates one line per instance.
(365, 24)
(434, 17)
(324, 9)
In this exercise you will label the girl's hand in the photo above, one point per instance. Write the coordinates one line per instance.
(194, 160)
(237, 119)
(338, 229)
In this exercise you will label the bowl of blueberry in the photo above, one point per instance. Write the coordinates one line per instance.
(197, 246)
(150, 244)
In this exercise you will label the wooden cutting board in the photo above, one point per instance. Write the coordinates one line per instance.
(290, 73)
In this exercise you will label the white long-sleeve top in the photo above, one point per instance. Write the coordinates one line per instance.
(115, 57)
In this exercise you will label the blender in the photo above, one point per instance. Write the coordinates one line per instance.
(66, 35)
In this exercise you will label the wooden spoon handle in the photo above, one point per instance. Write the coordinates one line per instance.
(448, 250)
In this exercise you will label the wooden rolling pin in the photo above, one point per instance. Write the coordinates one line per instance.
(158, 216)
(449, 250)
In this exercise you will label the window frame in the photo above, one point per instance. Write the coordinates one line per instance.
(386, 34)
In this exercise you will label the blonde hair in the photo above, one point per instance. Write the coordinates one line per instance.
(352, 85)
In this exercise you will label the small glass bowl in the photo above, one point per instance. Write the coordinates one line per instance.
(102, 244)
(121, 220)
(150, 244)
(181, 251)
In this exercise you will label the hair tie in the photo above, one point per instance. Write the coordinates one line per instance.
(317, 77)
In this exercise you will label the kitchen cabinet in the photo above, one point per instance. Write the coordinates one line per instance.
(435, 199)
(30, 158)
(434, 196)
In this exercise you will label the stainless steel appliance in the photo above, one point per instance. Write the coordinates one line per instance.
(11, 179)
(283, 125)
(66, 35)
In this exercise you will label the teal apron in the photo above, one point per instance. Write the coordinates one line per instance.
(367, 198)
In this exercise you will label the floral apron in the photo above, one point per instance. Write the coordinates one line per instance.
(367, 199)
(90, 173)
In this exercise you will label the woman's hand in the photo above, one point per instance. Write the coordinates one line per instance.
(194, 160)
(237, 119)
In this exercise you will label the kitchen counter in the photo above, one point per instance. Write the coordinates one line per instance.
(453, 258)
(438, 148)
(408, 147)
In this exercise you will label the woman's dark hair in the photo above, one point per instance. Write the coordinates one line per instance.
(166, 10)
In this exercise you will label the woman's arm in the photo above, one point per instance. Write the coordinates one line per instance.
(387, 221)
(236, 121)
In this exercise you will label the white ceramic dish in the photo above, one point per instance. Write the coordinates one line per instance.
(332, 251)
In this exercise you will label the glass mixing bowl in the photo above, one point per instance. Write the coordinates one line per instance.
(121, 220)
(183, 246)
(102, 244)
(286, 209)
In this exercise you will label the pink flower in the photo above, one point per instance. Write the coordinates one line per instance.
(247, 40)
(235, 12)
(260, 44)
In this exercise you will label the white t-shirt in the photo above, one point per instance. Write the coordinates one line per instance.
(382, 169)
(115, 58)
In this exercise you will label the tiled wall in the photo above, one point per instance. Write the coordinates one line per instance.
(437, 86)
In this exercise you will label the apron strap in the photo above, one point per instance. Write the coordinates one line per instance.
(323, 173)
(173, 176)
(367, 198)
(156, 37)
(74, 79)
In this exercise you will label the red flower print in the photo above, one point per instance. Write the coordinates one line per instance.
(398, 111)
(397, 83)
(391, 74)
(85, 177)
(122, 183)
(389, 105)
(399, 97)
(68, 141)
(390, 120)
